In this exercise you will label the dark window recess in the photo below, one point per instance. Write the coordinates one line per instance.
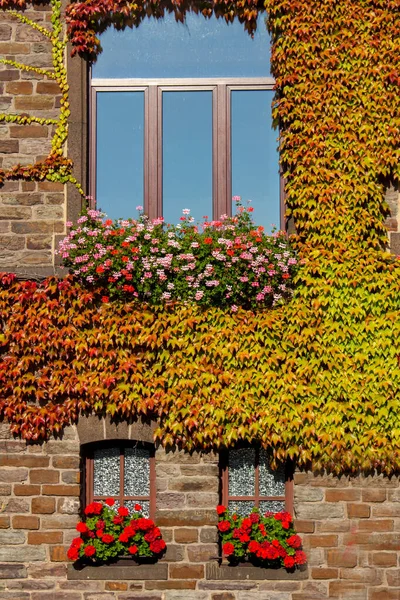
(248, 481)
(125, 473)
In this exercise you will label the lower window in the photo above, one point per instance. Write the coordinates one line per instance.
(124, 472)
(248, 481)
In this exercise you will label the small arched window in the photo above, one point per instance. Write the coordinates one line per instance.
(248, 481)
(121, 470)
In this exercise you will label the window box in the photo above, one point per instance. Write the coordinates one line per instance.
(120, 570)
(247, 571)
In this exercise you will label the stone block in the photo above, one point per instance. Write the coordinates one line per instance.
(65, 462)
(175, 584)
(25, 489)
(22, 553)
(186, 571)
(15, 505)
(12, 571)
(193, 484)
(308, 494)
(42, 505)
(44, 537)
(170, 500)
(29, 131)
(202, 500)
(343, 495)
(44, 476)
(19, 87)
(11, 537)
(4, 522)
(186, 535)
(316, 511)
(383, 559)
(346, 557)
(374, 495)
(27, 460)
(60, 490)
(69, 506)
(34, 102)
(25, 522)
(202, 552)
(358, 511)
(188, 518)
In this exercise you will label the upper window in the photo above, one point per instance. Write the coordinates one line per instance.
(181, 118)
(123, 472)
(248, 481)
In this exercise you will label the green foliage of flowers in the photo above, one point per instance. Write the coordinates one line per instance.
(106, 534)
(227, 263)
(269, 540)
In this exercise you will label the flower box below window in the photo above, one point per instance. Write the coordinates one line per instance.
(247, 571)
(120, 570)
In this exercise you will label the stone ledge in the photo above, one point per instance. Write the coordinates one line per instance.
(246, 572)
(156, 572)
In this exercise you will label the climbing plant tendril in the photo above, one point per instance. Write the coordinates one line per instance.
(317, 379)
(56, 167)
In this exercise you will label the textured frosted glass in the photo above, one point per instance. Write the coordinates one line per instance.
(198, 48)
(120, 153)
(106, 472)
(242, 472)
(137, 472)
(145, 504)
(187, 154)
(255, 158)
(242, 508)
(271, 506)
(272, 483)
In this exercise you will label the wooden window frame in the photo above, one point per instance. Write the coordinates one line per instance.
(153, 89)
(256, 498)
(88, 473)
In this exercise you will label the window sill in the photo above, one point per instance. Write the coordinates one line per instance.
(120, 571)
(246, 571)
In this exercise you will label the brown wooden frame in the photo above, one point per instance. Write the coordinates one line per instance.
(89, 475)
(226, 498)
(221, 134)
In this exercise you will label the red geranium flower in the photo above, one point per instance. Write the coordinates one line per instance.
(110, 501)
(224, 526)
(254, 546)
(123, 511)
(132, 549)
(73, 553)
(138, 508)
(157, 546)
(300, 557)
(90, 551)
(82, 527)
(221, 509)
(144, 524)
(77, 542)
(254, 517)
(294, 541)
(117, 520)
(107, 538)
(94, 508)
(228, 548)
(289, 562)
(208, 240)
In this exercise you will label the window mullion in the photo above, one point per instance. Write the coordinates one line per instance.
(153, 149)
(221, 152)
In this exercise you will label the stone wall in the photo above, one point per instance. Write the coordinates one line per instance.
(32, 214)
(350, 530)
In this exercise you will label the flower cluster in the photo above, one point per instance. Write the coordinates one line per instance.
(225, 263)
(107, 533)
(268, 540)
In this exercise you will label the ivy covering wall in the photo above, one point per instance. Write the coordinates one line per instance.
(317, 379)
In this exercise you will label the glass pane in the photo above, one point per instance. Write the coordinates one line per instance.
(242, 472)
(241, 507)
(106, 472)
(119, 153)
(198, 48)
(255, 159)
(137, 472)
(145, 504)
(187, 154)
(271, 506)
(272, 483)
